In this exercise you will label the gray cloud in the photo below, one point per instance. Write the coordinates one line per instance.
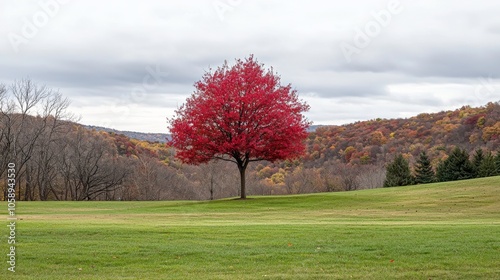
(429, 56)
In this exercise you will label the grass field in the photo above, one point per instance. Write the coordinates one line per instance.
(437, 231)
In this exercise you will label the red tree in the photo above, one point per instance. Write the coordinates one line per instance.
(240, 114)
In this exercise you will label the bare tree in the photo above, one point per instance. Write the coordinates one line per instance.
(348, 176)
(303, 180)
(45, 153)
(6, 110)
(371, 176)
(154, 180)
(29, 113)
(338, 176)
(92, 167)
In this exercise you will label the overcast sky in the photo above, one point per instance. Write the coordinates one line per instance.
(128, 64)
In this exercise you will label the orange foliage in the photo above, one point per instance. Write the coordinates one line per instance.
(492, 132)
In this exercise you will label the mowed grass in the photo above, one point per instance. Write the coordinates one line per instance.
(436, 231)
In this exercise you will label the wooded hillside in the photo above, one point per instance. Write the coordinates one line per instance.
(376, 141)
(58, 159)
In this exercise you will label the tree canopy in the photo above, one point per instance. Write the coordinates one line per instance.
(241, 114)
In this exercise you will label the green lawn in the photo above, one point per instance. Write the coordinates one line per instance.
(437, 231)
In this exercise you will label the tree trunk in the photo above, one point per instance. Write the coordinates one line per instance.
(212, 186)
(242, 180)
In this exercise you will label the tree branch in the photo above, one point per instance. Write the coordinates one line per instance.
(225, 159)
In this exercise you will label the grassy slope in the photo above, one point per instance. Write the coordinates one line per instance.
(437, 231)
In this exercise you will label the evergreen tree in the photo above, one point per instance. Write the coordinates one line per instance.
(456, 167)
(497, 162)
(441, 171)
(477, 160)
(398, 173)
(488, 167)
(423, 170)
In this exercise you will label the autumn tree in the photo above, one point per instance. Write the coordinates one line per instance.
(240, 114)
(423, 170)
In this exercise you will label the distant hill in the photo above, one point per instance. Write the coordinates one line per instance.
(313, 128)
(338, 157)
(378, 140)
(151, 137)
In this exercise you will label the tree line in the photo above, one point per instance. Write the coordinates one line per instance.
(458, 165)
(58, 159)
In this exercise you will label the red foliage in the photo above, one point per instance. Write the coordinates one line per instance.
(126, 147)
(472, 120)
(242, 114)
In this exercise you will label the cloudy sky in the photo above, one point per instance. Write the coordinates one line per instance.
(128, 64)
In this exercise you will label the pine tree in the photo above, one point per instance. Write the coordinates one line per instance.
(398, 173)
(441, 171)
(488, 167)
(424, 173)
(456, 167)
(497, 162)
(477, 160)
